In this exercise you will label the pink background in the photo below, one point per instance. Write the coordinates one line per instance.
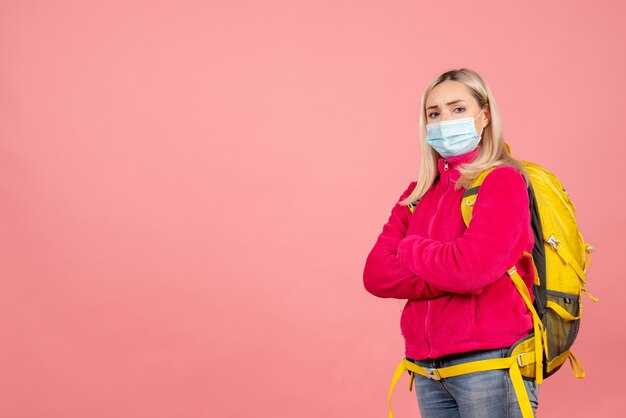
(189, 190)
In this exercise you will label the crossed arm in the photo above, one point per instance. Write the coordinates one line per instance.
(494, 240)
(415, 267)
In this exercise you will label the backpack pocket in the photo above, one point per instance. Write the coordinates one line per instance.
(562, 322)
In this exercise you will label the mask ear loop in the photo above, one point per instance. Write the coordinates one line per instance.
(481, 131)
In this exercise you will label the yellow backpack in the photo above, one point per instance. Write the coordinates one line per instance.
(561, 258)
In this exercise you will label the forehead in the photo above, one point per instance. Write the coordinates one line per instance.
(448, 91)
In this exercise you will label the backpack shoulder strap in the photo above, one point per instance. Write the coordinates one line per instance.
(469, 197)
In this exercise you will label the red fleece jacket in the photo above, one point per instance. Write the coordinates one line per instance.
(460, 297)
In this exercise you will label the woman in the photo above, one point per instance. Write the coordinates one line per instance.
(462, 305)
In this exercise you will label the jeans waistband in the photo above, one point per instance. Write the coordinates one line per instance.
(452, 357)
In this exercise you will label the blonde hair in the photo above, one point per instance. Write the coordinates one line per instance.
(493, 150)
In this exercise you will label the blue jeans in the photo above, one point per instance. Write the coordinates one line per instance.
(487, 394)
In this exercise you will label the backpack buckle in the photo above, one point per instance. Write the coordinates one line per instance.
(522, 360)
(432, 374)
(554, 242)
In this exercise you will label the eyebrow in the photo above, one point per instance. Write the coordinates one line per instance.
(448, 104)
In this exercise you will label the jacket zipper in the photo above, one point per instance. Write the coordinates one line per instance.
(426, 328)
(445, 167)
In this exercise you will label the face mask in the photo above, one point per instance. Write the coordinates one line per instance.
(453, 137)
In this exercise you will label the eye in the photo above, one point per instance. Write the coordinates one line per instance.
(433, 115)
(460, 109)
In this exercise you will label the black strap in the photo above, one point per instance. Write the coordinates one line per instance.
(539, 254)
(472, 191)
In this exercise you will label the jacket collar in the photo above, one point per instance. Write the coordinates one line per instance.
(448, 166)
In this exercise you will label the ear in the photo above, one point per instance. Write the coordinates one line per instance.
(486, 116)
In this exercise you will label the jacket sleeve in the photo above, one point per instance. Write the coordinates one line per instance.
(384, 275)
(494, 240)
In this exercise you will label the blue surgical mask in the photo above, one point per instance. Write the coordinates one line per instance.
(453, 137)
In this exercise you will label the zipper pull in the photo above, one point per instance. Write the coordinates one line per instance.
(445, 166)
